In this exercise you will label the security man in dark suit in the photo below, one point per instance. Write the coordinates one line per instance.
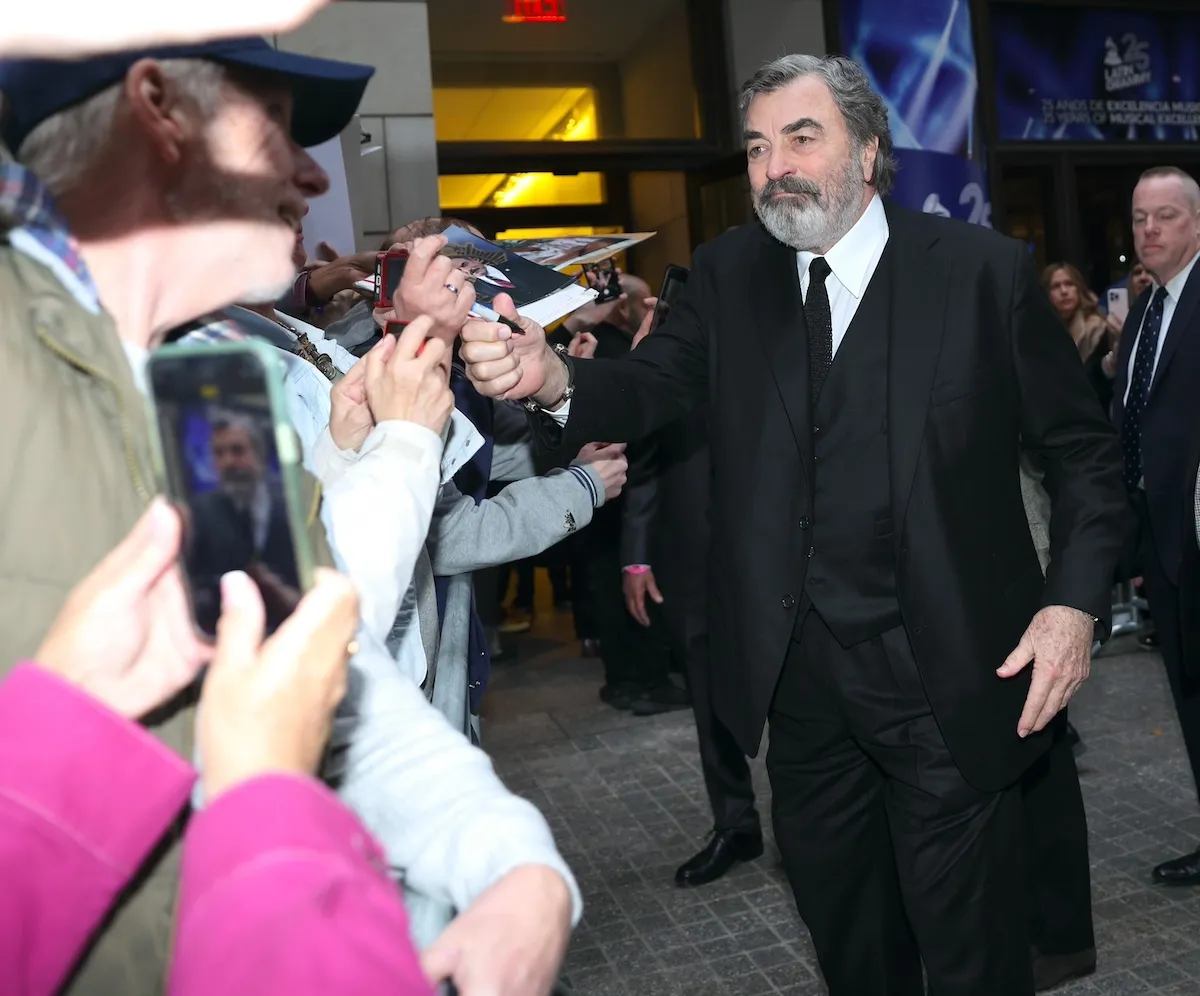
(1156, 409)
(664, 545)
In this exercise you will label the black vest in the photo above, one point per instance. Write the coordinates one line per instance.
(851, 576)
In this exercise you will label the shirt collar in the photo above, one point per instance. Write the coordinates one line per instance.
(850, 260)
(38, 229)
(1175, 285)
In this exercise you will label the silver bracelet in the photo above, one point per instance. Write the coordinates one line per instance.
(561, 351)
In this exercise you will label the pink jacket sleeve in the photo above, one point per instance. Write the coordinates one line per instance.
(284, 892)
(84, 796)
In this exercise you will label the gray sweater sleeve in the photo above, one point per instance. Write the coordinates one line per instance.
(524, 519)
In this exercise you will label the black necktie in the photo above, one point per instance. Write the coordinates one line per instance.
(1141, 374)
(820, 325)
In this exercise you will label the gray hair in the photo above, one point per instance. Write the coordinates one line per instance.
(224, 419)
(61, 149)
(863, 110)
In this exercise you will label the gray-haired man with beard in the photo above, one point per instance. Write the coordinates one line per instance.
(872, 374)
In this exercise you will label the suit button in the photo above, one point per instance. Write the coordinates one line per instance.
(788, 601)
(812, 552)
(806, 523)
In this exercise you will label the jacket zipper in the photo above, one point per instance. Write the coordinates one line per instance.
(135, 473)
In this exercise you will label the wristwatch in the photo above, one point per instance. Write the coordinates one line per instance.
(532, 406)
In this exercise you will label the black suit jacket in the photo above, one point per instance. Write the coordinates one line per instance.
(978, 361)
(1170, 420)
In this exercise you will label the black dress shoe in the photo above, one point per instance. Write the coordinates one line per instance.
(1053, 970)
(726, 848)
(619, 696)
(665, 698)
(1180, 871)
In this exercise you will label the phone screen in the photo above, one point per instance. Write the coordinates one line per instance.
(672, 286)
(223, 471)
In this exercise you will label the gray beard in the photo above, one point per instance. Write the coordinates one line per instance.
(814, 224)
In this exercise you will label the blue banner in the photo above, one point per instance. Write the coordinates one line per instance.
(1074, 74)
(920, 57)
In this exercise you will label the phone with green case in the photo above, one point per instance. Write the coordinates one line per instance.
(231, 462)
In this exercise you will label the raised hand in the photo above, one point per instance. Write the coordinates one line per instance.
(408, 378)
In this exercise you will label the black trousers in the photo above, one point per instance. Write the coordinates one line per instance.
(1163, 597)
(893, 857)
(726, 770)
(1056, 852)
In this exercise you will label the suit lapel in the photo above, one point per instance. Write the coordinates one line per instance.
(1180, 320)
(920, 288)
(779, 326)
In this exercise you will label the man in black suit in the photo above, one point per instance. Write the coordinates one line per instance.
(872, 373)
(1156, 408)
(241, 526)
(665, 541)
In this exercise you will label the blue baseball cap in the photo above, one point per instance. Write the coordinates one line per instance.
(326, 92)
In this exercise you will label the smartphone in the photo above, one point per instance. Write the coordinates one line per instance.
(389, 268)
(672, 286)
(230, 461)
(1118, 303)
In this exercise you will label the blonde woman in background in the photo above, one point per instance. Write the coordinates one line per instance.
(1079, 310)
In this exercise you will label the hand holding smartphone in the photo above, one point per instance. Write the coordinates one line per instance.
(672, 286)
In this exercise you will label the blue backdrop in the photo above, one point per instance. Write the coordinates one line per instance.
(1099, 74)
(920, 57)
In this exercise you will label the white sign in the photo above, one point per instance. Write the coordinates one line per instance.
(330, 217)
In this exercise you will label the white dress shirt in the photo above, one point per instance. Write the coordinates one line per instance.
(852, 263)
(1174, 288)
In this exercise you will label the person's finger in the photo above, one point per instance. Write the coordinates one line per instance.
(1039, 692)
(326, 253)
(641, 615)
(1054, 703)
(1018, 660)
(652, 588)
(242, 624)
(440, 960)
(650, 302)
(412, 338)
(145, 554)
(433, 353)
(476, 331)
(354, 377)
(321, 627)
(423, 252)
(377, 358)
(502, 304)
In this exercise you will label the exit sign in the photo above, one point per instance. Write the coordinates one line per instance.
(536, 12)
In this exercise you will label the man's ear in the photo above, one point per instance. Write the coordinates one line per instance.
(870, 153)
(157, 105)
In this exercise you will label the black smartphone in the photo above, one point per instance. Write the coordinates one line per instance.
(231, 462)
(672, 286)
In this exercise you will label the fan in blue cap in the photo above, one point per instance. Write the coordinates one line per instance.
(326, 93)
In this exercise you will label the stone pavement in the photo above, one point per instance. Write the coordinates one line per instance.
(625, 799)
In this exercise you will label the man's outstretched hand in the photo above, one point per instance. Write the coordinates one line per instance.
(502, 364)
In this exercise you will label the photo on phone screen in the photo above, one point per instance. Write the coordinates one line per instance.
(672, 286)
(224, 472)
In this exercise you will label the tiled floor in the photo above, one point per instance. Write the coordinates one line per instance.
(625, 799)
